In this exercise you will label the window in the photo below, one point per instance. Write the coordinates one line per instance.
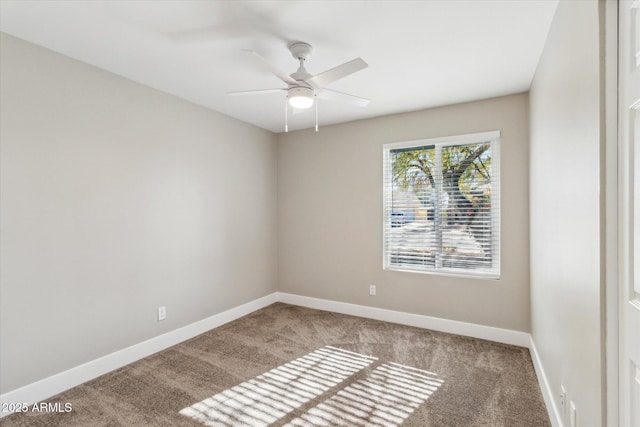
(442, 205)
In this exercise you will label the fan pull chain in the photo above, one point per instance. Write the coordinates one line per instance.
(286, 114)
(316, 115)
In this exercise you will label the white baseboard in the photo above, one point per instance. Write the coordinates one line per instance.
(490, 333)
(58, 383)
(43, 389)
(545, 387)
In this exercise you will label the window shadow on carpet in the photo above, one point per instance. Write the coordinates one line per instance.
(385, 397)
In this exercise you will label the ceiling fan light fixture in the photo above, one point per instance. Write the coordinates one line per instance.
(301, 97)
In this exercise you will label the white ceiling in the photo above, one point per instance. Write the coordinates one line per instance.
(421, 54)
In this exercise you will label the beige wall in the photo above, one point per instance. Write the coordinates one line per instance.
(330, 215)
(565, 201)
(116, 199)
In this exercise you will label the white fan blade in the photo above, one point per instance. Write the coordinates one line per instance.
(337, 73)
(254, 92)
(275, 70)
(334, 95)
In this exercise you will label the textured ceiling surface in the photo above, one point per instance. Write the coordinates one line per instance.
(421, 54)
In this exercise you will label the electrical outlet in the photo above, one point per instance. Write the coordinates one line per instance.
(563, 400)
(573, 415)
(372, 290)
(162, 313)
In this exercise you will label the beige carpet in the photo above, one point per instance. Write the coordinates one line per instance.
(288, 365)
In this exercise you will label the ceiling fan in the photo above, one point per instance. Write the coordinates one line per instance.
(302, 87)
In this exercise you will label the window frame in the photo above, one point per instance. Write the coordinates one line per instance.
(491, 137)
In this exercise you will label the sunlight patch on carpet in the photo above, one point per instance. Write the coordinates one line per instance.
(278, 392)
(386, 398)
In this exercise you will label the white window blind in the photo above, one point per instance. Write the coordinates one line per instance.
(442, 205)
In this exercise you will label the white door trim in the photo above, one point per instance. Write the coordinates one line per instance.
(611, 241)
